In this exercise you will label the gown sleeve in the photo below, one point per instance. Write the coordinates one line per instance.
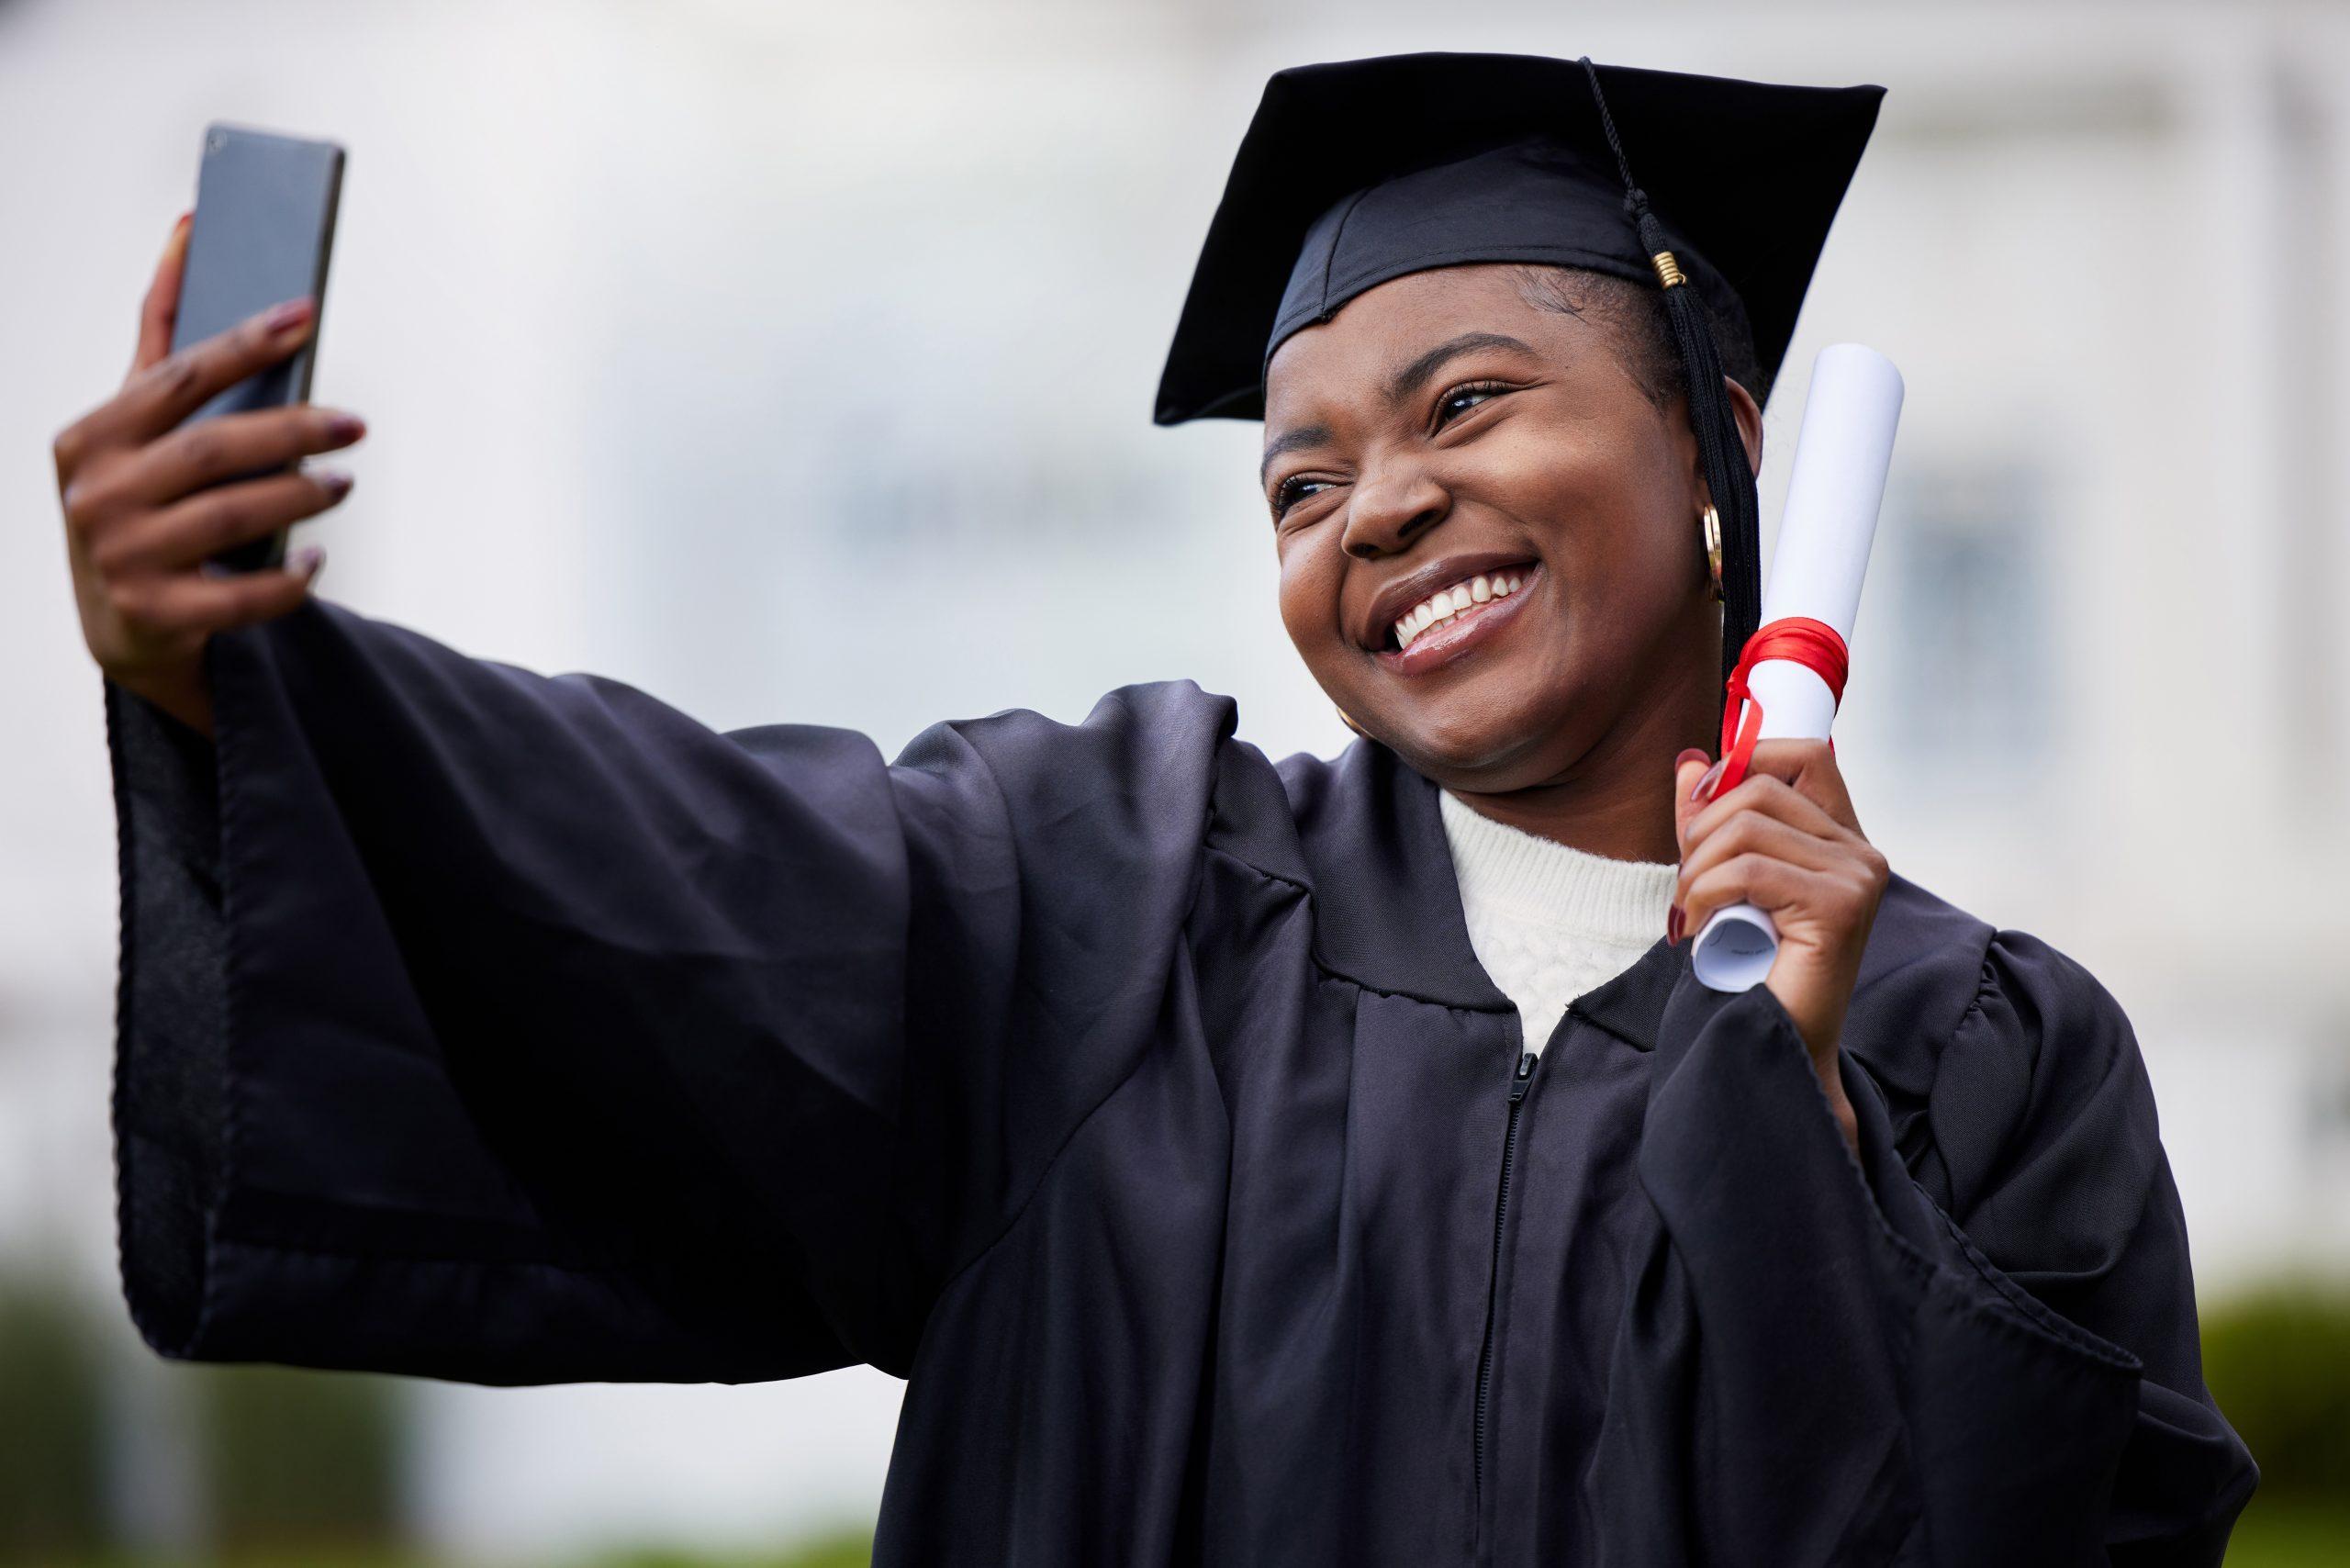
(511, 1029)
(1829, 1366)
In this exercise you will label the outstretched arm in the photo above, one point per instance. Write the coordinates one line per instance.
(514, 1028)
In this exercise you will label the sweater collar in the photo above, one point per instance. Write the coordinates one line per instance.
(1522, 879)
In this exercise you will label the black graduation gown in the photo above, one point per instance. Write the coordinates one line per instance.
(1143, 1102)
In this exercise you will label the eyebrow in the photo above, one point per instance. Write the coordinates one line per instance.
(1289, 441)
(1407, 381)
(1400, 385)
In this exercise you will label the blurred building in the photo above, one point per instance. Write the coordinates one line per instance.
(795, 361)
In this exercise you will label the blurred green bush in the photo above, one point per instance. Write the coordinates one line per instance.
(297, 1459)
(2278, 1363)
(52, 1429)
(283, 1460)
(2278, 1359)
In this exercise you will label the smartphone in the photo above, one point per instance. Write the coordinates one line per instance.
(262, 232)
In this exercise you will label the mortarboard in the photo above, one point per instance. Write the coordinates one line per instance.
(1356, 172)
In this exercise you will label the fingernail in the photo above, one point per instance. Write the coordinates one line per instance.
(177, 240)
(309, 560)
(1704, 787)
(345, 427)
(1673, 927)
(1689, 755)
(288, 316)
(336, 482)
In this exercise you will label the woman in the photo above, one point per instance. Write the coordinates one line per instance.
(1320, 1161)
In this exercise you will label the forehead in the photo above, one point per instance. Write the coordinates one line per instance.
(1349, 357)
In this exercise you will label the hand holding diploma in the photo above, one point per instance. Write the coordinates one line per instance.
(1786, 840)
(1777, 880)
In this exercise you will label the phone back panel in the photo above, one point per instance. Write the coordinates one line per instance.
(263, 226)
(263, 233)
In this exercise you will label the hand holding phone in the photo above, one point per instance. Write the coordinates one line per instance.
(151, 494)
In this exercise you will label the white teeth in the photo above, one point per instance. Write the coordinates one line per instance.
(1446, 603)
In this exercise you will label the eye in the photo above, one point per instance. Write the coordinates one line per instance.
(1295, 489)
(1460, 399)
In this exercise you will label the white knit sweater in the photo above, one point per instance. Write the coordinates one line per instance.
(1550, 922)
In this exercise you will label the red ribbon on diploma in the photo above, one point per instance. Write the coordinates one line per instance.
(1798, 639)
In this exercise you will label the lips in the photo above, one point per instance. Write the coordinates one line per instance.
(1440, 607)
(1416, 594)
(1459, 636)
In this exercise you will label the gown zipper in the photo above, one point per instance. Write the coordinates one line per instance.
(1519, 1081)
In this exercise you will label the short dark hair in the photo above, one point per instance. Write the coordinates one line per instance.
(1635, 312)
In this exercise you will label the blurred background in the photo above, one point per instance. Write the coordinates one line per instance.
(795, 361)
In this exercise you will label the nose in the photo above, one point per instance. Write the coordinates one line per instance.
(1391, 509)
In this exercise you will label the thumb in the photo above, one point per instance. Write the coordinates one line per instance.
(1688, 771)
(160, 310)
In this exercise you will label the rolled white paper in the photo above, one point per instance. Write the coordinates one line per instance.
(1834, 495)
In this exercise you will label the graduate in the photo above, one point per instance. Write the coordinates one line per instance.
(1244, 1161)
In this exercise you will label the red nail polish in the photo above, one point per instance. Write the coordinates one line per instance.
(1673, 927)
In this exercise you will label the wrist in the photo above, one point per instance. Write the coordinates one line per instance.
(1828, 1069)
(184, 697)
(1821, 1039)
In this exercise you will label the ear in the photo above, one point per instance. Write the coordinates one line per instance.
(1748, 415)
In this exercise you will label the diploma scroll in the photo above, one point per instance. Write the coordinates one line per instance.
(1842, 454)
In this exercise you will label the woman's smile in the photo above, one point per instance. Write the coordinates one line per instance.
(1453, 621)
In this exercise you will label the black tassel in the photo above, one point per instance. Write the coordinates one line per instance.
(1722, 450)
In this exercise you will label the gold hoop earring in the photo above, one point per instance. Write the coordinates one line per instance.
(1709, 525)
(1348, 720)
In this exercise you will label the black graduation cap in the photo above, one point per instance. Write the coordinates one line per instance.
(1356, 172)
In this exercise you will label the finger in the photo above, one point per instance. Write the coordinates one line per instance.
(1810, 768)
(212, 520)
(174, 387)
(1769, 797)
(1771, 885)
(211, 451)
(1753, 832)
(161, 309)
(190, 602)
(1693, 774)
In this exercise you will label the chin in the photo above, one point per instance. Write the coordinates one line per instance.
(1486, 752)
